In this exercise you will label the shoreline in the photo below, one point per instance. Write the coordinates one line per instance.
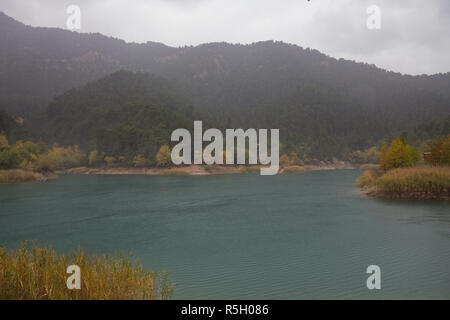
(199, 170)
(413, 196)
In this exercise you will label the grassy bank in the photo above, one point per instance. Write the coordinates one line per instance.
(40, 273)
(16, 176)
(421, 183)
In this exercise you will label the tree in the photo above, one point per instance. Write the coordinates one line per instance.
(10, 159)
(439, 152)
(399, 154)
(163, 157)
(3, 141)
(46, 163)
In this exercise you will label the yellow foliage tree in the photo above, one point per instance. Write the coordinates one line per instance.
(3, 141)
(163, 157)
(399, 154)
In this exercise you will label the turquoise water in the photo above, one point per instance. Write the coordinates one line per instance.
(308, 235)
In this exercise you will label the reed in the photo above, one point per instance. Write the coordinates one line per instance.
(420, 182)
(40, 274)
(15, 176)
(434, 180)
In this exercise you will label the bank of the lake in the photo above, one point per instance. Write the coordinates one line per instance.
(201, 170)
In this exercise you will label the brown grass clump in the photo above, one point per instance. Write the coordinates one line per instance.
(293, 169)
(426, 180)
(40, 274)
(15, 176)
(367, 179)
(421, 182)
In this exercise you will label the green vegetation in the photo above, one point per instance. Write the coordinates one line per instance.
(40, 273)
(38, 157)
(123, 116)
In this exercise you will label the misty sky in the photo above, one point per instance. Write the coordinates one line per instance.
(414, 37)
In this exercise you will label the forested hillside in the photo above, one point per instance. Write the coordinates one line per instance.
(122, 114)
(11, 127)
(324, 107)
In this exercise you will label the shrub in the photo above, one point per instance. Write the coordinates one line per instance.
(46, 163)
(10, 159)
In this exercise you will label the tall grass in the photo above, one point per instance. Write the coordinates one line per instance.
(432, 180)
(421, 182)
(40, 273)
(14, 176)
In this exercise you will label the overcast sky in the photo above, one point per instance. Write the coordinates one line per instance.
(414, 37)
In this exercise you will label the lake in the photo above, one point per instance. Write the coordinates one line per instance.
(308, 235)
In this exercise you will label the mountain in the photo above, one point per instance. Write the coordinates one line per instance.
(322, 106)
(38, 63)
(124, 113)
